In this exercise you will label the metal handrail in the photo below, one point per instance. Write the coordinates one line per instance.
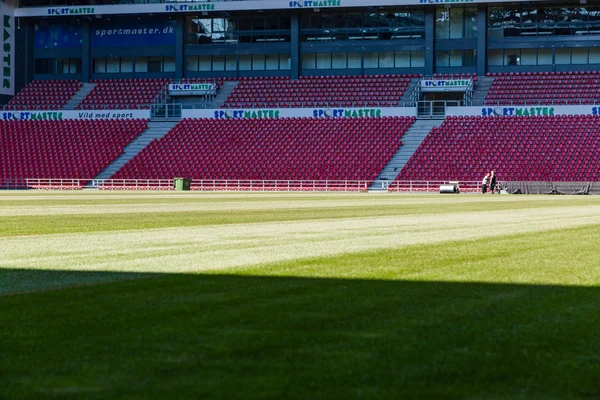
(318, 104)
(35, 107)
(543, 102)
(197, 184)
(239, 185)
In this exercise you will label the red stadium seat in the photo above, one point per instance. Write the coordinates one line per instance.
(72, 149)
(563, 148)
(278, 149)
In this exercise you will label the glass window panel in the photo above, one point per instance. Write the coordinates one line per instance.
(113, 65)
(456, 58)
(386, 59)
(205, 63)
(285, 62)
(354, 20)
(594, 18)
(245, 62)
(99, 65)
(74, 65)
(402, 59)
(471, 22)
(323, 60)
(371, 20)
(442, 23)
(512, 57)
(127, 64)
(579, 55)
(354, 61)
(192, 63)
(563, 56)
(258, 62)
(272, 62)
(417, 59)
(512, 22)
(469, 58)
(528, 56)
(544, 56)
(594, 56)
(338, 60)
(258, 23)
(218, 63)
(155, 64)
(141, 64)
(456, 23)
(273, 23)
(62, 66)
(442, 58)
(285, 23)
(495, 57)
(309, 61)
(529, 16)
(371, 60)
(231, 63)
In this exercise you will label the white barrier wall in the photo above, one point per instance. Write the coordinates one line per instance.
(525, 111)
(61, 115)
(275, 113)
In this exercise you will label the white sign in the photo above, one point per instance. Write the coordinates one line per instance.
(235, 5)
(61, 115)
(8, 48)
(522, 111)
(192, 89)
(274, 113)
(444, 85)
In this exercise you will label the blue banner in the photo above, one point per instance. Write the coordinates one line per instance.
(142, 34)
(59, 36)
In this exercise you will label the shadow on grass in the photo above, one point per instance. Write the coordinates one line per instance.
(229, 336)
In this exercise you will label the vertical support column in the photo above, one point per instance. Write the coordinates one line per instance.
(481, 39)
(179, 44)
(295, 46)
(24, 60)
(429, 40)
(86, 51)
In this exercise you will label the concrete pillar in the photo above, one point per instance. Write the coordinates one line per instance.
(295, 47)
(86, 52)
(481, 39)
(179, 45)
(429, 40)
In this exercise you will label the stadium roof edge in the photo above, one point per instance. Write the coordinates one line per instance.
(178, 8)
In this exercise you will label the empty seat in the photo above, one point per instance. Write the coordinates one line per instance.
(277, 149)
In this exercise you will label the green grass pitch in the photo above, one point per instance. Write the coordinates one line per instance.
(298, 296)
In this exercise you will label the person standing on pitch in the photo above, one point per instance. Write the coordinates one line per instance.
(492, 182)
(484, 183)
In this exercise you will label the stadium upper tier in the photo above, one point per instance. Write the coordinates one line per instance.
(259, 92)
(44, 95)
(562, 148)
(319, 91)
(582, 87)
(278, 149)
(62, 149)
(123, 93)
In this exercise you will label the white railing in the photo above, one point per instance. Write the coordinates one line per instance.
(243, 185)
(199, 184)
(431, 186)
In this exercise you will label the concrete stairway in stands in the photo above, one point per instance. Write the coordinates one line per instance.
(409, 89)
(411, 140)
(224, 92)
(481, 91)
(79, 96)
(155, 131)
